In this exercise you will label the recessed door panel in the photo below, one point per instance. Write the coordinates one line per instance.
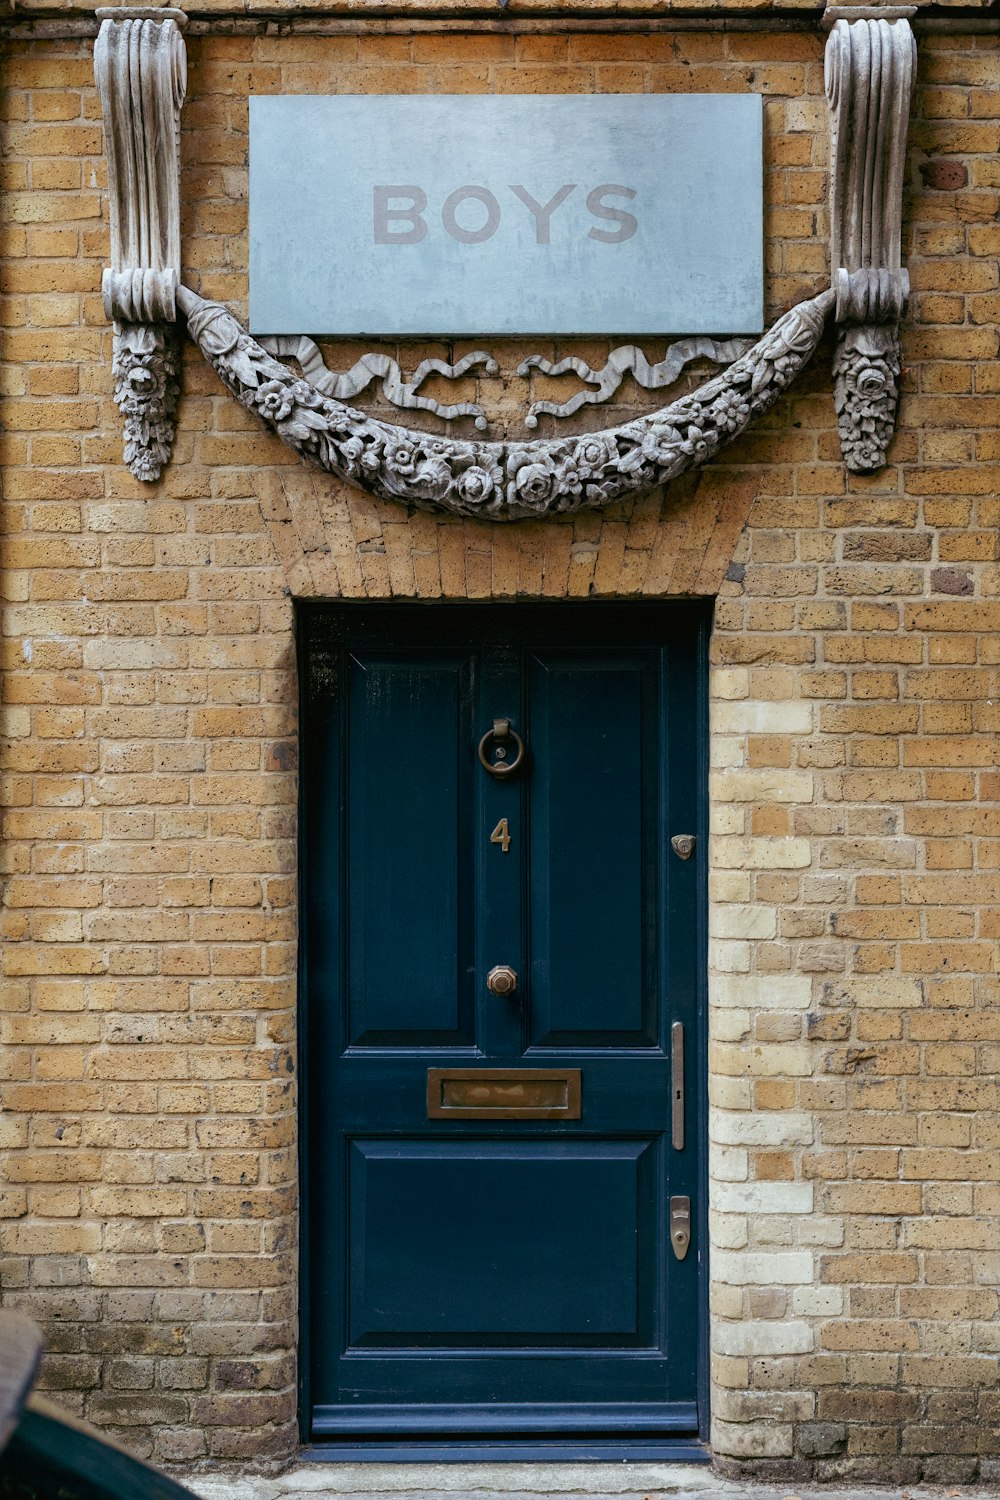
(498, 1243)
(593, 867)
(493, 961)
(409, 864)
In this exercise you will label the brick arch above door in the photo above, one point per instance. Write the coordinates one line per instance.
(336, 542)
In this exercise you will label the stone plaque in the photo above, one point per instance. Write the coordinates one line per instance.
(517, 214)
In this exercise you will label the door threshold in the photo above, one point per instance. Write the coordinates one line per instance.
(612, 1450)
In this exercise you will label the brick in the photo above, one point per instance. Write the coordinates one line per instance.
(148, 910)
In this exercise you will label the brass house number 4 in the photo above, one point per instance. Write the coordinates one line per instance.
(501, 835)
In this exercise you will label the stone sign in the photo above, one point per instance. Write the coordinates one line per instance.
(516, 214)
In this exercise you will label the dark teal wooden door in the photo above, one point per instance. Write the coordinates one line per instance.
(480, 1270)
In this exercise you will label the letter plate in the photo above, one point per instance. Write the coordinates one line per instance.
(503, 1093)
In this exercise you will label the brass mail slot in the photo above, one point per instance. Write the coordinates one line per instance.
(503, 1093)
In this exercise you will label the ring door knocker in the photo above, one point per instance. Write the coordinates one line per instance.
(494, 749)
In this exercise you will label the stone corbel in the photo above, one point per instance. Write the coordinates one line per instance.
(141, 67)
(870, 65)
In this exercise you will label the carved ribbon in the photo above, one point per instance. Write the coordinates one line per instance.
(348, 383)
(626, 357)
(870, 66)
(505, 481)
(141, 67)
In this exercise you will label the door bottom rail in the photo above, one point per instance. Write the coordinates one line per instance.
(620, 1419)
(536, 1449)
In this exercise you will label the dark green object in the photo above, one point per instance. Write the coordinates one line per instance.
(53, 1457)
(46, 1454)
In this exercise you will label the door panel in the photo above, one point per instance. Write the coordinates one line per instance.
(409, 855)
(499, 1274)
(593, 822)
(514, 1216)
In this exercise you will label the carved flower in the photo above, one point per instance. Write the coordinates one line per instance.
(144, 462)
(351, 453)
(864, 454)
(432, 480)
(304, 394)
(729, 411)
(784, 368)
(699, 445)
(140, 384)
(665, 446)
(477, 485)
(273, 401)
(593, 454)
(535, 482)
(401, 457)
(408, 470)
(662, 444)
(538, 479)
(867, 380)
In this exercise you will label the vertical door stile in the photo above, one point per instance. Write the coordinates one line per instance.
(500, 872)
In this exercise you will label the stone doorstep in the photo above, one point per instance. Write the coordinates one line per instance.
(514, 1481)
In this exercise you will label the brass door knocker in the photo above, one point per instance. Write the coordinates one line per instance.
(499, 738)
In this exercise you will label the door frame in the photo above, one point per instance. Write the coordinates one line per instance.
(493, 1449)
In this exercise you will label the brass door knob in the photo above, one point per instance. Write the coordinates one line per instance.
(501, 980)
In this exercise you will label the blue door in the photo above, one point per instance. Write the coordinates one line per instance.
(502, 977)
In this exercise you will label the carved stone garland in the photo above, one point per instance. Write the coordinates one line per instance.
(870, 67)
(141, 67)
(141, 74)
(505, 481)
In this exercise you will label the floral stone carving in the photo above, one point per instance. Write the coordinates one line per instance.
(866, 369)
(146, 368)
(505, 481)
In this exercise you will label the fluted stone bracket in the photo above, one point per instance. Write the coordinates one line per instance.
(140, 63)
(870, 66)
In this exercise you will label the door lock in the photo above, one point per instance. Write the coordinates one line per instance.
(683, 845)
(502, 980)
(680, 1226)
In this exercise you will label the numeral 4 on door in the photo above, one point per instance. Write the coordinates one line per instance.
(501, 835)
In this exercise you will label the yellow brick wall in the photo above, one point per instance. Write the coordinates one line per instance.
(148, 784)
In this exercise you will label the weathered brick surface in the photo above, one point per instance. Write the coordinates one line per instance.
(148, 785)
